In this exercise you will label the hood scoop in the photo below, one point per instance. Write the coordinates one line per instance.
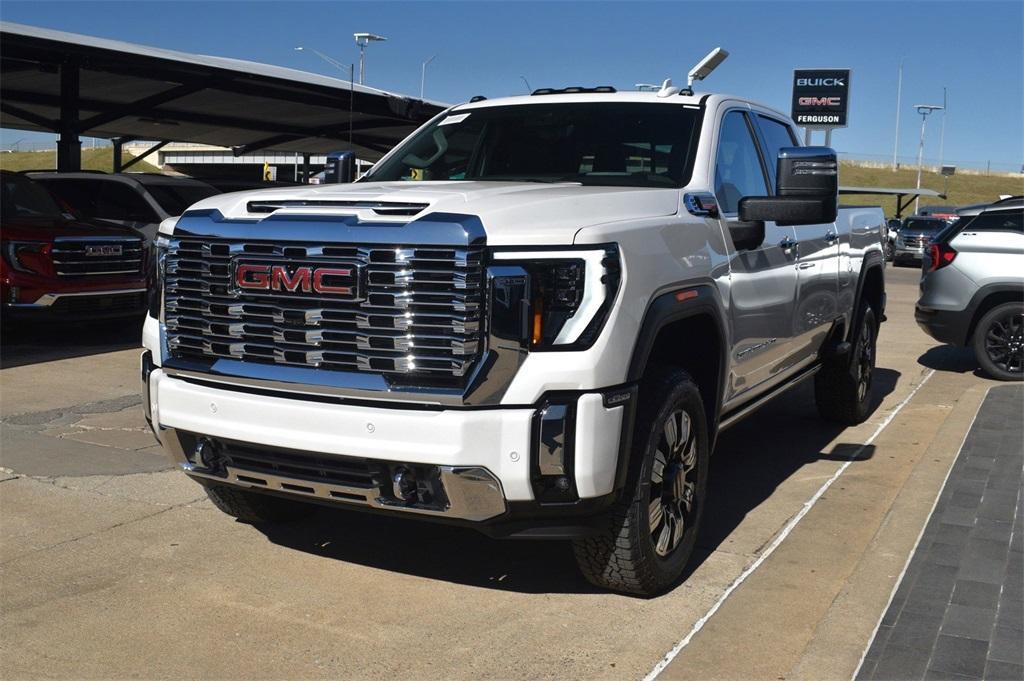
(388, 208)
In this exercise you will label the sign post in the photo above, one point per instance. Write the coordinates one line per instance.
(821, 100)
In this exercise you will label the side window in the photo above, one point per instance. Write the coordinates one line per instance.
(738, 170)
(776, 136)
(120, 202)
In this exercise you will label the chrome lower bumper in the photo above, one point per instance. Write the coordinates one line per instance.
(471, 492)
(49, 299)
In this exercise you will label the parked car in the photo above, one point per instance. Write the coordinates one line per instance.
(532, 318)
(972, 288)
(55, 267)
(914, 237)
(947, 213)
(892, 231)
(137, 200)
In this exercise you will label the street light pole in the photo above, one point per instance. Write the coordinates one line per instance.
(362, 40)
(423, 74)
(899, 100)
(333, 62)
(942, 133)
(924, 110)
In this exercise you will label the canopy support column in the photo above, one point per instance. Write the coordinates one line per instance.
(69, 146)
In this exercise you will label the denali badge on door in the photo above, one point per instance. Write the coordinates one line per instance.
(341, 280)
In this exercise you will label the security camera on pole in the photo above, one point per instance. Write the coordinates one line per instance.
(362, 40)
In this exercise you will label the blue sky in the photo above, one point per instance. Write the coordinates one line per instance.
(976, 49)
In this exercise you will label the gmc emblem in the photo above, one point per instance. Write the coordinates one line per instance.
(339, 279)
(103, 250)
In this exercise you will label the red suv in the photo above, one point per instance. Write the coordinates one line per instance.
(60, 268)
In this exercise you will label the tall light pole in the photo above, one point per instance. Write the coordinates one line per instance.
(362, 40)
(423, 73)
(924, 110)
(942, 133)
(899, 104)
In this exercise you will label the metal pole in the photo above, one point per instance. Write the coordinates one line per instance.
(828, 137)
(942, 133)
(362, 62)
(352, 94)
(899, 99)
(423, 74)
(807, 137)
(920, 159)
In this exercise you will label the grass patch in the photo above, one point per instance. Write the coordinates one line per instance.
(92, 159)
(963, 189)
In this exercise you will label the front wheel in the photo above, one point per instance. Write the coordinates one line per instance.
(842, 388)
(652, 529)
(999, 342)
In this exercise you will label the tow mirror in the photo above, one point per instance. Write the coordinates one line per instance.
(807, 189)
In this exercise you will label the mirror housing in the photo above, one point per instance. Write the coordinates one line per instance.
(807, 189)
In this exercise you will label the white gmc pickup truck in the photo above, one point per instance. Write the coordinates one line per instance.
(532, 318)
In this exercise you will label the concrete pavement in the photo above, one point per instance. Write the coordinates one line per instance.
(114, 566)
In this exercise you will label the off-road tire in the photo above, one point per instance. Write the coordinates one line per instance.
(838, 390)
(256, 508)
(624, 556)
(1003, 321)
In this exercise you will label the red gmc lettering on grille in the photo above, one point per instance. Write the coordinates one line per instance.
(306, 279)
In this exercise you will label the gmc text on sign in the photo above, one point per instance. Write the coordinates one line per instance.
(821, 97)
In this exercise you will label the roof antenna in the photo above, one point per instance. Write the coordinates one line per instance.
(666, 89)
(704, 68)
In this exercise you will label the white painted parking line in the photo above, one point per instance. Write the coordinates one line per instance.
(794, 521)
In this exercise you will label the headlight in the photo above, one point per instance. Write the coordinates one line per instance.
(566, 295)
(28, 256)
(158, 260)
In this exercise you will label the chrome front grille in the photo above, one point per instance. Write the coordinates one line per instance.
(410, 310)
(97, 256)
(916, 241)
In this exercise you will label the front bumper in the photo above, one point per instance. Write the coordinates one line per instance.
(484, 464)
(904, 253)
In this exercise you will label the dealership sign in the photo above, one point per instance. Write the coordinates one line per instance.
(821, 98)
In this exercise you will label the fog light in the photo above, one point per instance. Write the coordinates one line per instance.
(205, 453)
(403, 484)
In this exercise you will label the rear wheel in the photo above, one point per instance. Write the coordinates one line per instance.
(999, 342)
(256, 508)
(653, 528)
(842, 388)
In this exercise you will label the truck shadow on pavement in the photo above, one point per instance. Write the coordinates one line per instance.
(788, 433)
(33, 343)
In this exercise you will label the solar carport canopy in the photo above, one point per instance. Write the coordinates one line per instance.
(79, 85)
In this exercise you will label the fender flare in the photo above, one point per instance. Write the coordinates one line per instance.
(680, 302)
(872, 260)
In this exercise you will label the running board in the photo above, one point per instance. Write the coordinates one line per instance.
(747, 409)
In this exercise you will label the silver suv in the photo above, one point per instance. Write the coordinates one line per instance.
(972, 287)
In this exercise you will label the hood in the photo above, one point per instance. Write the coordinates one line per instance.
(512, 213)
(48, 229)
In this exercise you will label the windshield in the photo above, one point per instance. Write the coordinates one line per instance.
(923, 225)
(24, 198)
(175, 199)
(612, 144)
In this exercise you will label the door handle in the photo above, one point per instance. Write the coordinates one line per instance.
(805, 265)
